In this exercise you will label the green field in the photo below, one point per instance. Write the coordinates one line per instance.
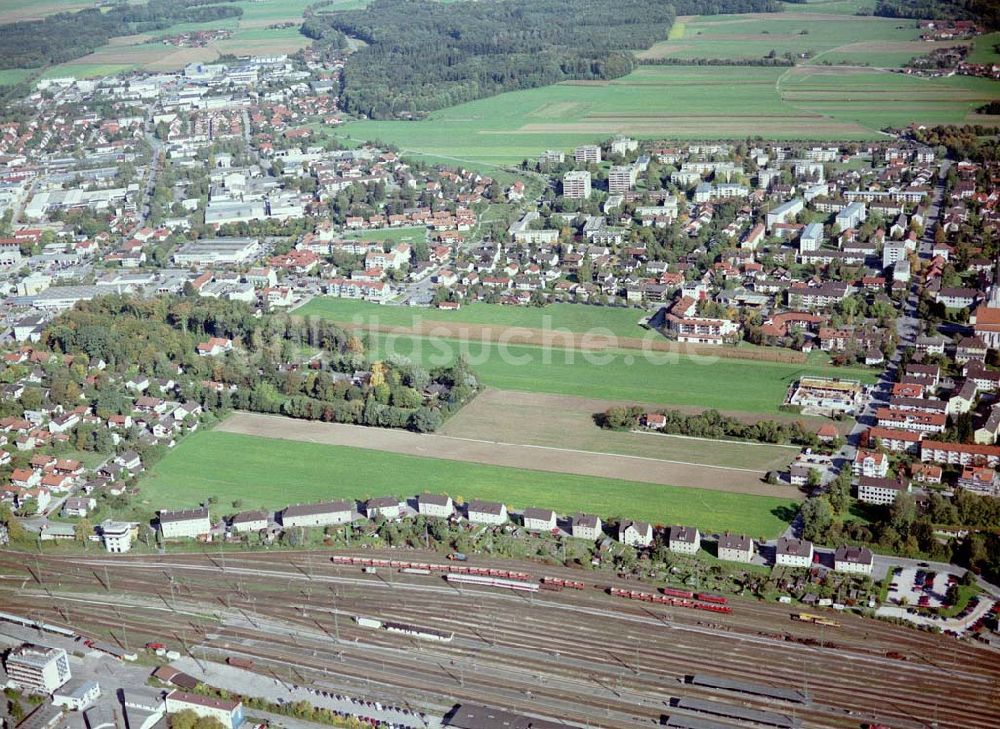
(681, 102)
(627, 375)
(984, 49)
(577, 318)
(269, 473)
(753, 36)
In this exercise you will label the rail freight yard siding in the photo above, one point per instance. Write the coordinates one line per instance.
(517, 585)
(754, 689)
(767, 718)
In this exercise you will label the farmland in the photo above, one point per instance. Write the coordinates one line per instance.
(271, 473)
(684, 102)
(250, 35)
(831, 95)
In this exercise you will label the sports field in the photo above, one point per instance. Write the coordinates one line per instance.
(271, 473)
(674, 379)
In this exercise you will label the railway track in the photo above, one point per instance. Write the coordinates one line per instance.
(581, 644)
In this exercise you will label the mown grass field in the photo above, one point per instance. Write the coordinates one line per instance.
(573, 317)
(626, 375)
(266, 473)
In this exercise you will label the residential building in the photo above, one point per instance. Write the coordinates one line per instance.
(854, 560)
(959, 454)
(871, 464)
(792, 552)
(384, 506)
(539, 520)
(438, 505)
(587, 154)
(635, 533)
(228, 711)
(980, 479)
(684, 539)
(249, 521)
(576, 185)
(881, 490)
(735, 547)
(486, 512)
(587, 526)
(621, 179)
(185, 523)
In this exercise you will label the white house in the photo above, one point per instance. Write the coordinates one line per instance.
(486, 512)
(793, 553)
(635, 533)
(587, 526)
(227, 711)
(856, 560)
(880, 490)
(249, 521)
(116, 535)
(314, 515)
(684, 539)
(185, 523)
(539, 520)
(439, 505)
(735, 547)
(77, 696)
(385, 506)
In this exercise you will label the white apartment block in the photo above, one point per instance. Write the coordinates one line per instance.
(38, 669)
(576, 185)
(185, 523)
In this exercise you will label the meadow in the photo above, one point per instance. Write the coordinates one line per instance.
(677, 380)
(268, 473)
(579, 318)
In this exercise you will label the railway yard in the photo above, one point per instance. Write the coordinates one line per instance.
(582, 656)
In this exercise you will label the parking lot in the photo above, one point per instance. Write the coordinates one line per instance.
(915, 587)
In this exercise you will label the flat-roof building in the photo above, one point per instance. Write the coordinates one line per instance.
(38, 669)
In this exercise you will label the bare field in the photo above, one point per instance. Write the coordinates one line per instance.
(565, 339)
(514, 455)
(13, 11)
(555, 421)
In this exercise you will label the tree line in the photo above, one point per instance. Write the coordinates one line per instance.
(710, 424)
(423, 55)
(66, 36)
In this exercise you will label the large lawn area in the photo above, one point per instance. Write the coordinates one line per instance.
(269, 473)
(579, 318)
(628, 375)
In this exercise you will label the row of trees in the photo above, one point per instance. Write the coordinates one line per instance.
(711, 424)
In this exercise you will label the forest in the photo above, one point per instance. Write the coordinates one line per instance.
(423, 55)
(66, 36)
(985, 11)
